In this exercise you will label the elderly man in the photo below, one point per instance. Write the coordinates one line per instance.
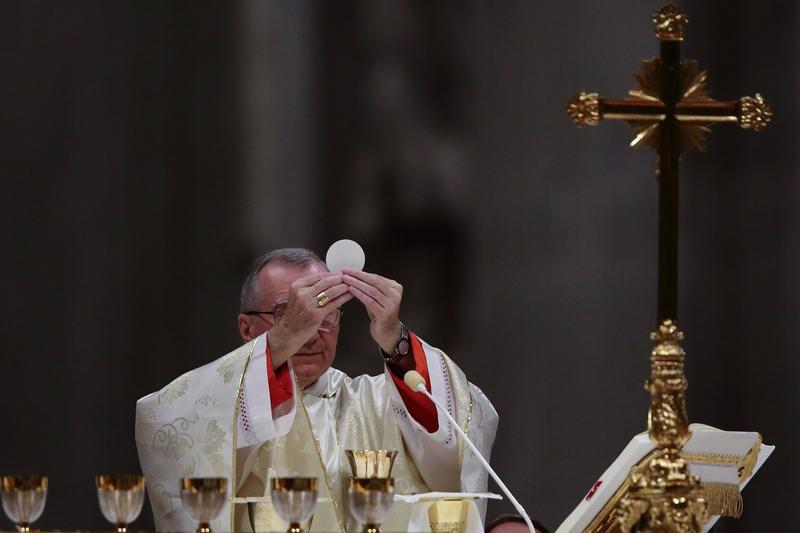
(275, 407)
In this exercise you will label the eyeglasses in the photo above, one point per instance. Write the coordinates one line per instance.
(330, 321)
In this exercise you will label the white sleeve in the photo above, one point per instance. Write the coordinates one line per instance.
(436, 454)
(482, 430)
(258, 421)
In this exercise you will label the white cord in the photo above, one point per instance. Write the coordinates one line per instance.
(417, 382)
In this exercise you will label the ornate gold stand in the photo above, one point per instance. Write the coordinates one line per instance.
(663, 495)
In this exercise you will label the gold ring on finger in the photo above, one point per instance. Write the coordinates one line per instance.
(322, 299)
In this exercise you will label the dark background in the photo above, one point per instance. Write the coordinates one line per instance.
(149, 150)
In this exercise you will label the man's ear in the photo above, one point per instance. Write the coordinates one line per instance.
(244, 327)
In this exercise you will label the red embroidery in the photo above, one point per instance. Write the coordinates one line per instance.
(593, 491)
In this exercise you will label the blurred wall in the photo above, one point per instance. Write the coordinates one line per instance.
(150, 149)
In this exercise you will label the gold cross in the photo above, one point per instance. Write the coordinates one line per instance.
(671, 111)
(670, 88)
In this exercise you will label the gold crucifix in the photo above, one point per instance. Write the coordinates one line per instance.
(671, 112)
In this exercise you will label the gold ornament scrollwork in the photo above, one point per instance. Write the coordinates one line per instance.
(228, 367)
(669, 21)
(693, 89)
(663, 495)
(754, 112)
(174, 390)
(584, 109)
(175, 437)
(667, 422)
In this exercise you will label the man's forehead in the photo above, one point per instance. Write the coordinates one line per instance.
(275, 278)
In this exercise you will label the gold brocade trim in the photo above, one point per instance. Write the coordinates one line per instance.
(748, 464)
(336, 509)
(712, 458)
(235, 433)
(745, 463)
(723, 499)
(466, 430)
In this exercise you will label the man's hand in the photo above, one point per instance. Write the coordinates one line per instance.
(381, 297)
(303, 315)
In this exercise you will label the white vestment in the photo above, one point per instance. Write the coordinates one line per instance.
(218, 418)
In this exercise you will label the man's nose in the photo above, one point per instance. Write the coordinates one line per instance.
(313, 340)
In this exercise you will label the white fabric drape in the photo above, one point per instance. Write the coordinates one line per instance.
(186, 430)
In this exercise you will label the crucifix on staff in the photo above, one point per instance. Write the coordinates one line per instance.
(671, 111)
(664, 483)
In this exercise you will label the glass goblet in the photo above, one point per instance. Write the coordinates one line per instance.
(294, 499)
(121, 498)
(369, 501)
(23, 499)
(203, 498)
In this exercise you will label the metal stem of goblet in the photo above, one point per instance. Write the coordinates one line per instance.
(294, 527)
(371, 528)
(24, 527)
(122, 528)
(204, 527)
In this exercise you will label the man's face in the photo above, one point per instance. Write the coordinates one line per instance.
(273, 283)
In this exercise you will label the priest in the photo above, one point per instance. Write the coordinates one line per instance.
(276, 407)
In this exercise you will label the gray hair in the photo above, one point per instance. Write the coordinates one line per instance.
(297, 257)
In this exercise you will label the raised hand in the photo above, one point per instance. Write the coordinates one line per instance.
(303, 313)
(381, 298)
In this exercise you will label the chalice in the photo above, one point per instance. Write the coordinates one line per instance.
(371, 463)
(294, 499)
(23, 499)
(121, 498)
(203, 498)
(448, 516)
(369, 501)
